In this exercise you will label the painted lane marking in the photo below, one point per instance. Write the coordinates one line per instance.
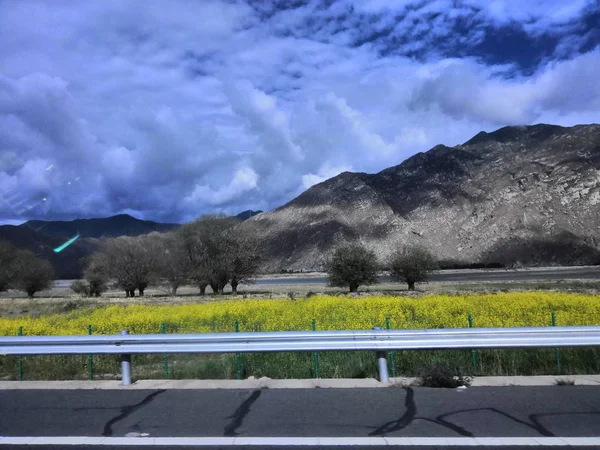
(301, 441)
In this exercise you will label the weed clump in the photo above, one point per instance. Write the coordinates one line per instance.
(442, 374)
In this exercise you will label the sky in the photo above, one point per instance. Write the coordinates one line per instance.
(170, 109)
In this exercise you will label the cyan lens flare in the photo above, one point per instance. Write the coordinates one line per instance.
(65, 245)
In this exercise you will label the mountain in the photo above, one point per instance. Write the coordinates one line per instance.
(120, 225)
(520, 195)
(42, 237)
(245, 215)
(66, 264)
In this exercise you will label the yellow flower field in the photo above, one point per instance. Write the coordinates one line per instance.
(436, 311)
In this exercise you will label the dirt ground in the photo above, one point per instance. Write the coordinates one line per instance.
(16, 304)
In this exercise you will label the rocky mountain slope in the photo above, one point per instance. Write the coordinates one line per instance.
(520, 195)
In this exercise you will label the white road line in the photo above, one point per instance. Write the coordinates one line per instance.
(297, 441)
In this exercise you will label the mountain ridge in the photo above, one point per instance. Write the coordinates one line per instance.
(536, 184)
(518, 195)
(113, 226)
(42, 237)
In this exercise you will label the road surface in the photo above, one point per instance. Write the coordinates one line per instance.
(463, 276)
(469, 276)
(273, 418)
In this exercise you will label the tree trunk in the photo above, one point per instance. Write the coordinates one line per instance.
(215, 287)
(30, 293)
(353, 287)
(132, 293)
(141, 287)
(411, 285)
(222, 287)
(127, 293)
(202, 288)
(234, 285)
(174, 290)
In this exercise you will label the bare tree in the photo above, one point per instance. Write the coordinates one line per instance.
(352, 265)
(242, 256)
(412, 265)
(120, 256)
(147, 269)
(174, 265)
(206, 249)
(97, 273)
(7, 257)
(133, 262)
(32, 274)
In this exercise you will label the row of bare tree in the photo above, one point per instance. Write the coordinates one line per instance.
(210, 251)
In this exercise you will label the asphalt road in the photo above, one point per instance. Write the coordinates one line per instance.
(470, 276)
(465, 276)
(480, 412)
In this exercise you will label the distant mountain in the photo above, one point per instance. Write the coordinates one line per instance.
(43, 236)
(247, 214)
(526, 194)
(66, 263)
(120, 225)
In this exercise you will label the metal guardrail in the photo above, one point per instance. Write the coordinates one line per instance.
(299, 341)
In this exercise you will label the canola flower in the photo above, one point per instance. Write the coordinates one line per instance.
(331, 313)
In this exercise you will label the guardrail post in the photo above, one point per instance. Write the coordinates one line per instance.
(163, 330)
(382, 363)
(238, 356)
(20, 360)
(90, 359)
(315, 354)
(473, 352)
(558, 349)
(392, 357)
(125, 365)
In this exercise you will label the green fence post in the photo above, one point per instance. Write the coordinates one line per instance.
(90, 359)
(558, 349)
(238, 356)
(473, 351)
(20, 361)
(315, 354)
(392, 357)
(163, 330)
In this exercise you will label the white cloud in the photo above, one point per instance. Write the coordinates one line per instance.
(326, 172)
(173, 112)
(264, 119)
(244, 180)
(468, 89)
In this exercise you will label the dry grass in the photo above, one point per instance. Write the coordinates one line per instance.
(16, 304)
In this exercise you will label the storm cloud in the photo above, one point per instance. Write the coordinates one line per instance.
(170, 109)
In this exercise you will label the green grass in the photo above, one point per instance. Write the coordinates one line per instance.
(300, 365)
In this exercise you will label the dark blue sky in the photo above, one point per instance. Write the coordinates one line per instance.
(170, 109)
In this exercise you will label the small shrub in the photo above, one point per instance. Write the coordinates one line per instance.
(564, 382)
(310, 294)
(71, 306)
(291, 295)
(441, 374)
(81, 287)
